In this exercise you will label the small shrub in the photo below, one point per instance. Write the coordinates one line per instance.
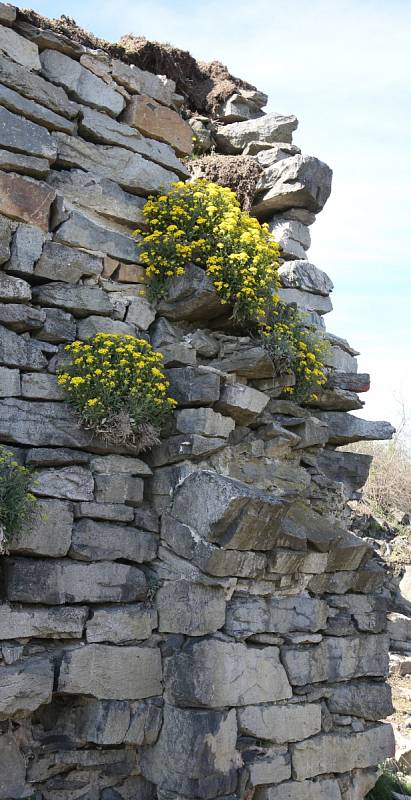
(202, 222)
(17, 504)
(297, 348)
(388, 784)
(117, 386)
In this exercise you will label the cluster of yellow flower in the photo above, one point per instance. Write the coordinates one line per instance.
(112, 373)
(296, 347)
(202, 222)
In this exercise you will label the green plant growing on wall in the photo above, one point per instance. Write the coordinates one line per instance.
(117, 387)
(296, 347)
(202, 222)
(17, 503)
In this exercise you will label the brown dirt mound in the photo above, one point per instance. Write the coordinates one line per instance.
(203, 86)
(239, 173)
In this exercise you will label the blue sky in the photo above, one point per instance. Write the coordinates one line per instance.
(344, 69)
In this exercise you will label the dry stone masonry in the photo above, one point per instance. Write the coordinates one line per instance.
(195, 622)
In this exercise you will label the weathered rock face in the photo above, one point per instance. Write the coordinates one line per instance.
(195, 623)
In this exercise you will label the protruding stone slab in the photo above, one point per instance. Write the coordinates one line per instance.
(107, 672)
(250, 615)
(18, 104)
(26, 249)
(25, 199)
(102, 541)
(34, 87)
(17, 351)
(204, 421)
(23, 622)
(81, 84)
(194, 386)
(337, 659)
(14, 290)
(292, 236)
(160, 123)
(139, 81)
(17, 133)
(40, 386)
(81, 301)
(67, 264)
(214, 673)
(269, 128)
(19, 49)
(25, 686)
(190, 608)
(299, 181)
(242, 402)
(81, 231)
(195, 755)
(97, 195)
(55, 582)
(346, 428)
(339, 752)
(228, 512)
(301, 274)
(280, 723)
(121, 624)
(367, 699)
(191, 296)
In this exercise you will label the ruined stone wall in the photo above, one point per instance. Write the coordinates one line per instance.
(195, 622)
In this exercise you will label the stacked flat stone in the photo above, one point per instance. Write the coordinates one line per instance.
(195, 622)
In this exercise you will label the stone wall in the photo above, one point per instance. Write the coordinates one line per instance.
(196, 622)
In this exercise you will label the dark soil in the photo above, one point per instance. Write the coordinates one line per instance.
(239, 173)
(202, 85)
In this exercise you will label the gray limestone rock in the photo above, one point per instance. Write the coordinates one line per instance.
(120, 488)
(280, 723)
(241, 402)
(18, 104)
(215, 673)
(40, 386)
(110, 512)
(10, 385)
(195, 755)
(19, 49)
(191, 296)
(80, 84)
(34, 87)
(204, 421)
(339, 752)
(14, 290)
(306, 301)
(70, 483)
(12, 768)
(21, 318)
(194, 386)
(250, 362)
(81, 301)
(88, 327)
(300, 790)
(97, 195)
(17, 351)
(367, 699)
(139, 81)
(208, 557)
(345, 428)
(67, 264)
(21, 135)
(141, 313)
(59, 326)
(23, 622)
(109, 672)
(250, 615)
(189, 608)
(267, 765)
(48, 534)
(118, 625)
(5, 239)
(81, 231)
(132, 171)
(25, 686)
(119, 465)
(7, 14)
(269, 128)
(228, 512)
(303, 275)
(337, 659)
(26, 249)
(102, 541)
(349, 468)
(21, 163)
(182, 447)
(293, 182)
(292, 236)
(55, 582)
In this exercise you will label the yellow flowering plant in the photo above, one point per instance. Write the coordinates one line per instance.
(117, 385)
(296, 347)
(17, 503)
(202, 222)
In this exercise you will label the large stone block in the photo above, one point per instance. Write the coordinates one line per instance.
(80, 84)
(250, 615)
(16, 351)
(303, 275)
(110, 512)
(242, 402)
(12, 769)
(292, 236)
(216, 673)
(349, 468)
(280, 723)
(18, 104)
(5, 238)
(131, 170)
(97, 195)
(25, 199)
(21, 135)
(14, 290)
(194, 386)
(24, 622)
(55, 582)
(367, 699)
(191, 296)
(10, 385)
(81, 301)
(21, 163)
(195, 755)
(105, 130)
(270, 128)
(21, 318)
(119, 488)
(101, 541)
(81, 231)
(160, 123)
(204, 421)
(228, 512)
(300, 790)
(69, 483)
(48, 534)
(88, 327)
(299, 181)
(121, 624)
(25, 686)
(345, 428)
(267, 765)
(184, 446)
(67, 264)
(339, 752)
(26, 249)
(40, 386)
(306, 302)
(34, 87)
(189, 608)
(139, 81)
(19, 49)
(336, 659)
(250, 362)
(107, 672)
(7, 14)
(208, 557)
